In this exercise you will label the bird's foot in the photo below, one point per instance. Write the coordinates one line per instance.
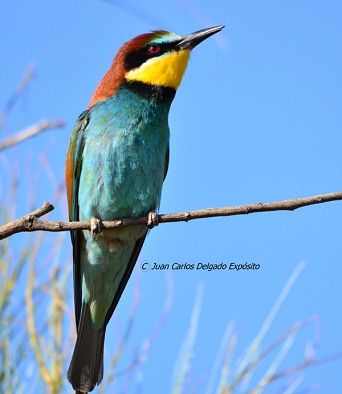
(95, 225)
(152, 219)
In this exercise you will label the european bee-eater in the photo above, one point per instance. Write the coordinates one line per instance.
(116, 163)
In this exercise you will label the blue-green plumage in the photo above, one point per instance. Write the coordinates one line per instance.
(116, 164)
(121, 156)
(124, 158)
(125, 147)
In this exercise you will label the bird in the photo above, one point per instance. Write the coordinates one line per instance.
(117, 160)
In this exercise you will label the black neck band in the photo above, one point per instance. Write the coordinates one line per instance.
(155, 92)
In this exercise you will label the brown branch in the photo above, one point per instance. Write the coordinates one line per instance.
(24, 223)
(30, 132)
(31, 222)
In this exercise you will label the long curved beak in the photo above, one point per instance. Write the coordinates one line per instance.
(193, 39)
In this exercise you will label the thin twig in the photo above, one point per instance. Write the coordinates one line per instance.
(307, 362)
(28, 76)
(31, 222)
(30, 132)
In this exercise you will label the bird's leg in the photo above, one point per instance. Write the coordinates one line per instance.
(152, 219)
(95, 225)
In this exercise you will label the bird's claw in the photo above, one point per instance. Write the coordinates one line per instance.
(95, 225)
(152, 219)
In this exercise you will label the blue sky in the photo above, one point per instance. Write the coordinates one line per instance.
(257, 118)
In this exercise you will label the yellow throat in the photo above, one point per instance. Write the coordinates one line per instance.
(167, 70)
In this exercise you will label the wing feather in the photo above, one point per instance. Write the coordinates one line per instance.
(73, 172)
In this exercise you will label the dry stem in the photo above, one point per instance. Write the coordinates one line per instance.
(30, 132)
(31, 222)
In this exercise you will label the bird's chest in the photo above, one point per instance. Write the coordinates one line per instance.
(123, 165)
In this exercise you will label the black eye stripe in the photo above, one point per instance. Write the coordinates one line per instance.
(137, 58)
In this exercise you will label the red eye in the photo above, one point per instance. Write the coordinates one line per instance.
(154, 49)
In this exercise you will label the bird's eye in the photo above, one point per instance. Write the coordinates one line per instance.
(154, 49)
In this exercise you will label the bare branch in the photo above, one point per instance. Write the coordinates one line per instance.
(24, 223)
(31, 222)
(30, 132)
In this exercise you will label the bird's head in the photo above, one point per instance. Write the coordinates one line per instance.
(158, 58)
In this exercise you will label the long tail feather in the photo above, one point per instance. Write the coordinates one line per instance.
(86, 366)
